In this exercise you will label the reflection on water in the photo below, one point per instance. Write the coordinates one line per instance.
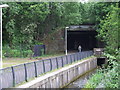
(80, 82)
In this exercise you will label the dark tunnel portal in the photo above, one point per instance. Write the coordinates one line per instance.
(86, 39)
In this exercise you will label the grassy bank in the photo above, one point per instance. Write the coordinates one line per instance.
(8, 62)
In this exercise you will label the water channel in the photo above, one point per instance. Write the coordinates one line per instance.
(81, 82)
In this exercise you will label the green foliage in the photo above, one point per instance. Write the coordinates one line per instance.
(111, 74)
(94, 80)
(14, 53)
(71, 13)
(108, 30)
(5, 51)
(108, 77)
(38, 43)
(21, 21)
(88, 13)
(8, 52)
(111, 78)
(27, 22)
(102, 9)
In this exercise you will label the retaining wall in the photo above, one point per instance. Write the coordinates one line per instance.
(63, 76)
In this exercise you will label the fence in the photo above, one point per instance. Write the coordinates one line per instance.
(14, 75)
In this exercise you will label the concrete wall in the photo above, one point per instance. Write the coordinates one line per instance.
(62, 76)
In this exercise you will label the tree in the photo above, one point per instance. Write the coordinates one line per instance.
(28, 22)
(21, 21)
(109, 30)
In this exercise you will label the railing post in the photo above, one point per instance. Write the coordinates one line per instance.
(77, 56)
(62, 61)
(81, 55)
(66, 59)
(67, 75)
(88, 53)
(35, 69)
(71, 58)
(74, 57)
(50, 64)
(44, 49)
(13, 73)
(57, 62)
(85, 54)
(25, 72)
(43, 66)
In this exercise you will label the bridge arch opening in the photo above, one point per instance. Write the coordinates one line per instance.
(87, 40)
(84, 35)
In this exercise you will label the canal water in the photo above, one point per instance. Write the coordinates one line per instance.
(81, 82)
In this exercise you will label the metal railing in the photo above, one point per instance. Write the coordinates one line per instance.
(11, 76)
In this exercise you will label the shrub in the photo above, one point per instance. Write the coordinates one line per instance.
(15, 53)
(94, 80)
(108, 76)
(8, 52)
(27, 53)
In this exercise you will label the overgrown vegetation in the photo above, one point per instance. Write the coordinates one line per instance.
(94, 80)
(106, 77)
(16, 52)
(27, 23)
(108, 32)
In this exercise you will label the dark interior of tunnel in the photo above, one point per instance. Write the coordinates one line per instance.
(87, 40)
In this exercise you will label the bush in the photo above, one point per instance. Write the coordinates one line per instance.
(27, 53)
(15, 53)
(108, 32)
(94, 80)
(8, 52)
(111, 77)
(108, 76)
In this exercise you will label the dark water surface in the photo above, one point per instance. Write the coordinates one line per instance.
(81, 82)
